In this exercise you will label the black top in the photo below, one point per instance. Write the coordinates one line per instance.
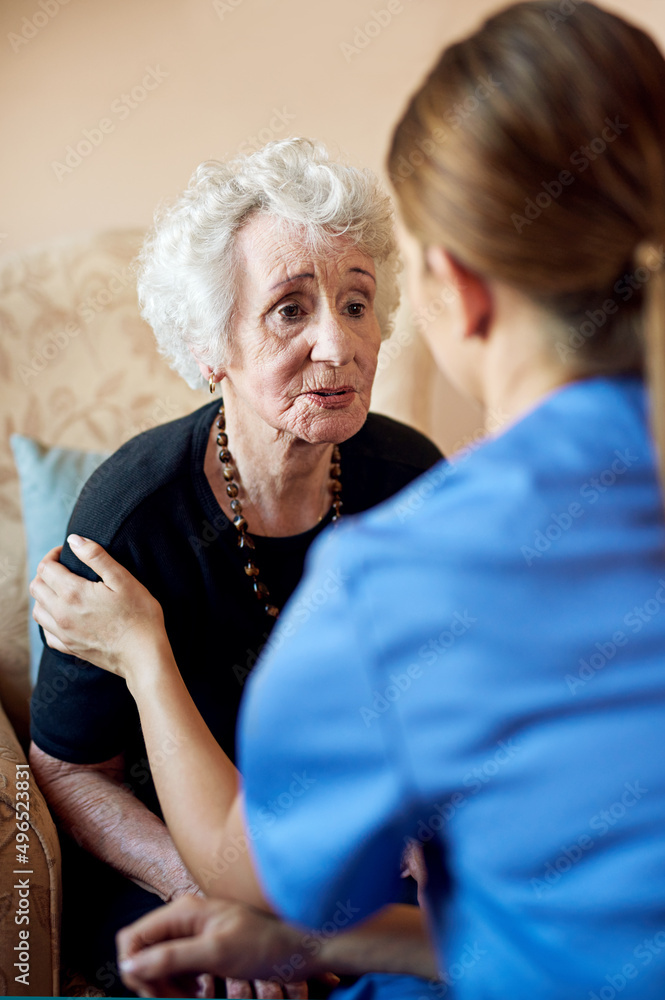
(151, 506)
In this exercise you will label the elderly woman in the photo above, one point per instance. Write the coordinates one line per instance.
(275, 276)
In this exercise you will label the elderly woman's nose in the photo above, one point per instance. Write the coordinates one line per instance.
(334, 343)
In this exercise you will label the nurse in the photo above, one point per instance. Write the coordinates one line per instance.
(488, 678)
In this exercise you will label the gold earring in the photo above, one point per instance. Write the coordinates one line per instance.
(211, 383)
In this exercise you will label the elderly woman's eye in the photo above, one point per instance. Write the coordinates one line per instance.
(290, 311)
(356, 308)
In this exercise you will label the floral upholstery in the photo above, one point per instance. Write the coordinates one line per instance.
(78, 368)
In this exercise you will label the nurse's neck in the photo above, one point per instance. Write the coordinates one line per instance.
(524, 357)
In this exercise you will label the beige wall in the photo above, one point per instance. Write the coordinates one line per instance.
(224, 73)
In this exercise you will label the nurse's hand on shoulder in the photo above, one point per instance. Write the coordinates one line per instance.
(110, 623)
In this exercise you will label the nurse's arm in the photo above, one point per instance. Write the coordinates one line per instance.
(228, 939)
(117, 625)
(198, 786)
(395, 940)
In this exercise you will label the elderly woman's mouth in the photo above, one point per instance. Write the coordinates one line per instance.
(332, 398)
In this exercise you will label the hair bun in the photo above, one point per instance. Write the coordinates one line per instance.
(648, 254)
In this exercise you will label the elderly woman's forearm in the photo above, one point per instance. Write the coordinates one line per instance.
(198, 788)
(109, 822)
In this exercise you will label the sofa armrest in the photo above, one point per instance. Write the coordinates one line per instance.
(41, 875)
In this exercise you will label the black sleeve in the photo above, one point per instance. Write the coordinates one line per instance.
(80, 713)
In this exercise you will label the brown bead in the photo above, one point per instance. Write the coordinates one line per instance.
(245, 541)
(220, 423)
(336, 470)
(232, 489)
(272, 611)
(239, 522)
(228, 472)
(260, 589)
(236, 506)
(251, 569)
(225, 455)
(335, 485)
(222, 440)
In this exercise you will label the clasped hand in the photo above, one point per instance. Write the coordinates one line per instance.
(161, 954)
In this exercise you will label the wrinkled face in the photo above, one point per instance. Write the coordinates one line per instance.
(305, 341)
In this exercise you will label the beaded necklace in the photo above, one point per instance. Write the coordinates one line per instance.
(245, 540)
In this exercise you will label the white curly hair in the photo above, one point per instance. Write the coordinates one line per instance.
(187, 266)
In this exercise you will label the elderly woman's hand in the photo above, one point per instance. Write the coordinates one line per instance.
(108, 622)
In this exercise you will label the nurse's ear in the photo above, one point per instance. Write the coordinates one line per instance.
(472, 307)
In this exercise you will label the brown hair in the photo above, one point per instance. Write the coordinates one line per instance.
(535, 153)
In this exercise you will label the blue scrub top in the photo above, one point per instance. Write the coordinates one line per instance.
(479, 664)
